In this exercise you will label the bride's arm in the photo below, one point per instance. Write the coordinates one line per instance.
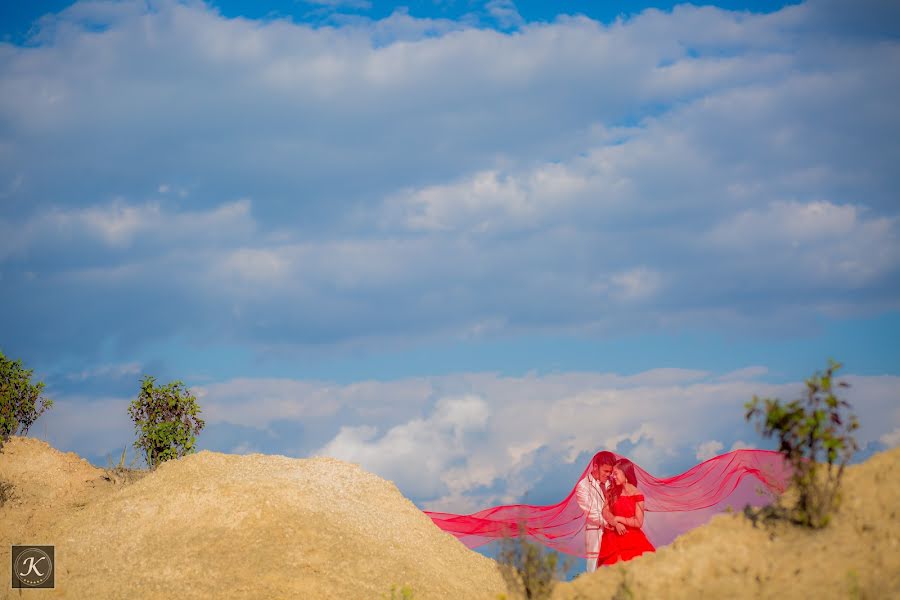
(608, 516)
(639, 514)
(637, 520)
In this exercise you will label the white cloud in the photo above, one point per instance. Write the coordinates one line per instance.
(340, 3)
(566, 416)
(258, 402)
(108, 370)
(446, 440)
(709, 449)
(745, 373)
(573, 176)
(636, 284)
(505, 12)
(92, 425)
(119, 224)
(415, 455)
(891, 439)
(244, 448)
(825, 241)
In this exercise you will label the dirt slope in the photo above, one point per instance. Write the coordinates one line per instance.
(858, 556)
(257, 526)
(220, 525)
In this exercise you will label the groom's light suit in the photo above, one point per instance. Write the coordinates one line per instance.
(590, 497)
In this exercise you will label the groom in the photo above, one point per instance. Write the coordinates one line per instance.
(591, 498)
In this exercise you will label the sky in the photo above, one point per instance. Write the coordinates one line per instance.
(464, 244)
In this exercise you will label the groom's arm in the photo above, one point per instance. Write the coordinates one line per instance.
(584, 498)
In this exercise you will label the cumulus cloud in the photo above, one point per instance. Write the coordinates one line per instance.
(418, 178)
(415, 455)
(891, 439)
(256, 402)
(511, 430)
(745, 373)
(340, 3)
(826, 242)
(708, 449)
(120, 224)
(466, 440)
(92, 426)
(117, 370)
(636, 284)
(505, 12)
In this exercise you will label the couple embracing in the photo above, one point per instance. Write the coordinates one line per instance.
(615, 512)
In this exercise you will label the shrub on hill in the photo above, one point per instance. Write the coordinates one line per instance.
(165, 420)
(531, 570)
(815, 436)
(19, 399)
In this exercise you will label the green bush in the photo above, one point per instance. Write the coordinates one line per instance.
(165, 420)
(19, 399)
(815, 437)
(530, 569)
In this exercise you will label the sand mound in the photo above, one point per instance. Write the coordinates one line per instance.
(220, 525)
(216, 525)
(857, 556)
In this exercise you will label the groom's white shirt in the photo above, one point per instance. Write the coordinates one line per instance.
(591, 499)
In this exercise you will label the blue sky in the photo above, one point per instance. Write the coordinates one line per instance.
(464, 244)
(19, 18)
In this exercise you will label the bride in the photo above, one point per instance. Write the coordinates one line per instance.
(624, 515)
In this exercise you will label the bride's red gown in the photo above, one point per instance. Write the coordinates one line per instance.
(615, 547)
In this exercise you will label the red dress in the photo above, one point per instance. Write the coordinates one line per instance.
(615, 547)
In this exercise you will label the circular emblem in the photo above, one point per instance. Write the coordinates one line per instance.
(33, 567)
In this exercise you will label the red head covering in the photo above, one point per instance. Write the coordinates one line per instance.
(673, 505)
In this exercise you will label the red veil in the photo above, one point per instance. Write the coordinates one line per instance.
(673, 505)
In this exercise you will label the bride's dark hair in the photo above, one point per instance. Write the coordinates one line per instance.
(615, 490)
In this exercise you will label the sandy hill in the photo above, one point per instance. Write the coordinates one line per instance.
(215, 525)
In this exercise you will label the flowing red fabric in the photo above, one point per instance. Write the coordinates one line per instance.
(673, 505)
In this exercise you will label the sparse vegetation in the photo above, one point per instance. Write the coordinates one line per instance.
(19, 399)
(624, 591)
(120, 473)
(166, 421)
(530, 570)
(6, 492)
(815, 437)
(854, 591)
(404, 592)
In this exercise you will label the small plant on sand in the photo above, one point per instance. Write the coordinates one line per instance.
(165, 420)
(120, 473)
(404, 592)
(19, 399)
(6, 492)
(853, 590)
(815, 437)
(624, 591)
(530, 570)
